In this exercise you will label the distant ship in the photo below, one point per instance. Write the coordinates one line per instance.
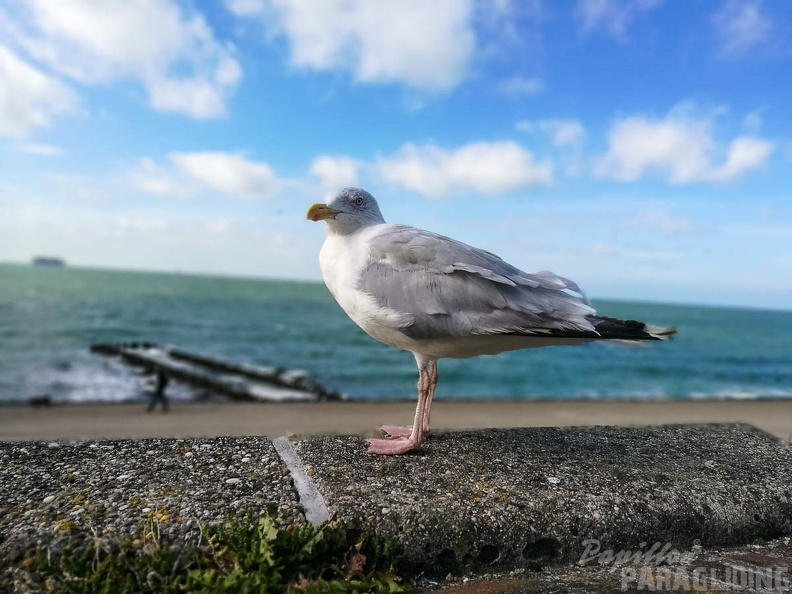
(48, 261)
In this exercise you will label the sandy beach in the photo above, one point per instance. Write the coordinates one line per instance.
(107, 421)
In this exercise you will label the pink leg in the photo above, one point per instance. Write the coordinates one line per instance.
(431, 390)
(416, 437)
(398, 431)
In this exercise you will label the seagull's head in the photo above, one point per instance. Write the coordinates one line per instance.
(349, 210)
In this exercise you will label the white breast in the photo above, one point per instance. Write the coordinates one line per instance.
(342, 259)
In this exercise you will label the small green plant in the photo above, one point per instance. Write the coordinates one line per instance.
(251, 555)
(262, 558)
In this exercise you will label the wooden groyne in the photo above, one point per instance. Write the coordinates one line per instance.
(234, 380)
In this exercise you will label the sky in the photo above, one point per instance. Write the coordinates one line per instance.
(639, 147)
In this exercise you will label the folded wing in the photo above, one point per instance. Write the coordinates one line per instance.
(449, 289)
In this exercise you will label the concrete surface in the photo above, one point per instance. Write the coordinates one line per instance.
(204, 420)
(53, 492)
(521, 497)
(520, 506)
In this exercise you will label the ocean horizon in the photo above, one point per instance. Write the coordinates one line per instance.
(49, 317)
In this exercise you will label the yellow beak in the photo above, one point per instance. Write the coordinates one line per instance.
(320, 212)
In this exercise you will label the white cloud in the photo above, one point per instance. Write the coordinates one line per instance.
(335, 171)
(228, 173)
(424, 45)
(159, 180)
(45, 150)
(28, 97)
(520, 86)
(679, 146)
(174, 55)
(486, 167)
(191, 173)
(745, 153)
(199, 97)
(740, 26)
(561, 132)
(565, 132)
(612, 16)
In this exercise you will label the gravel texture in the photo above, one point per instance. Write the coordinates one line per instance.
(54, 492)
(515, 498)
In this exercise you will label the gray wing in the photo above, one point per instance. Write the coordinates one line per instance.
(450, 289)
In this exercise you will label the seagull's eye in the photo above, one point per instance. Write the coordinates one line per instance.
(359, 201)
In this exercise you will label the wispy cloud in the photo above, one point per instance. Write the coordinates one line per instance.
(560, 132)
(741, 25)
(752, 122)
(566, 135)
(520, 86)
(45, 150)
(611, 16)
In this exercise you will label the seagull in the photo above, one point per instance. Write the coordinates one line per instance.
(437, 297)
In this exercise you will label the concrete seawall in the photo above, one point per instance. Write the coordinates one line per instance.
(493, 500)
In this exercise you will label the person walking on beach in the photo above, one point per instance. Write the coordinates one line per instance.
(158, 395)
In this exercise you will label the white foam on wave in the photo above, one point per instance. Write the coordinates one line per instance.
(743, 393)
(95, 380)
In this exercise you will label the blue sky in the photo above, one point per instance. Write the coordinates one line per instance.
(641, 147)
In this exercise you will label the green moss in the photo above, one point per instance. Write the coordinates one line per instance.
(251, 555)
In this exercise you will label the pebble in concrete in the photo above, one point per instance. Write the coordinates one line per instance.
(117, 489)
(525, 497)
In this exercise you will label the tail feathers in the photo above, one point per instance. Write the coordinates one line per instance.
(615, 329)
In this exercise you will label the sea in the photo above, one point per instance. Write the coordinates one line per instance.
(49, 317)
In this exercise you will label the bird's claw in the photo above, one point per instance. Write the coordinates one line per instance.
(395, 431)
(392, 447)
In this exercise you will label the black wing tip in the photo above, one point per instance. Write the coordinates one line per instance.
(605, 328)
(614, 328)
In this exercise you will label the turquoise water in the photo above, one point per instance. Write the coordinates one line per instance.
(50, 316)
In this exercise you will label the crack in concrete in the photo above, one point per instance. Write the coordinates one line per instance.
(312, 501)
